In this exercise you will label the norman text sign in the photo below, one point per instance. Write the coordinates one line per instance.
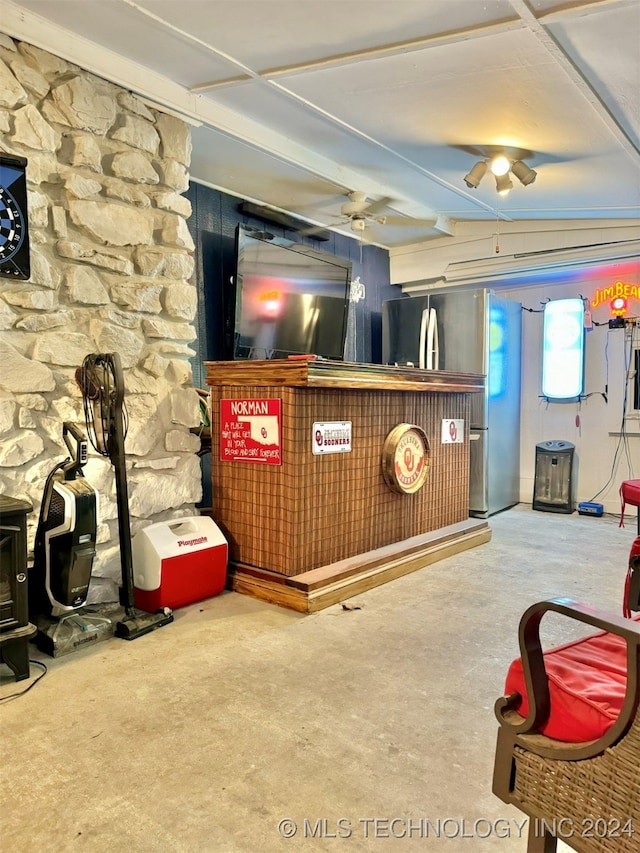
(250, 431)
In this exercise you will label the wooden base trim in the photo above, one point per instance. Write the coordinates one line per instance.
(331, 584)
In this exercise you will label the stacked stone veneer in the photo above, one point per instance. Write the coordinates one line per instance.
(111, 259)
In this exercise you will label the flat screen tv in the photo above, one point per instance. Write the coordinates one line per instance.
(290, 298)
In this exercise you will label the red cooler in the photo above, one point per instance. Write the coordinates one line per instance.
(178, 562)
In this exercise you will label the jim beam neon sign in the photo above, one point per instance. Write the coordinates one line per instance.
(618, 296)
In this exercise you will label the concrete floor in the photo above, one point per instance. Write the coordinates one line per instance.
(204, 735)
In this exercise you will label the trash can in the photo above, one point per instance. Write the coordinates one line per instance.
(553, 488)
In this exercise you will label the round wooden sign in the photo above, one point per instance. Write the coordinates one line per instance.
(405, 459)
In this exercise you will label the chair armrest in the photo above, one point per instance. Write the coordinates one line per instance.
(537, 683)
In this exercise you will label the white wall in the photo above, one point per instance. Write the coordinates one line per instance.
(537, 262)
(596, 433)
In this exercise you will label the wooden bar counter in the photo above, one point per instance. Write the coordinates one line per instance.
(317, 528)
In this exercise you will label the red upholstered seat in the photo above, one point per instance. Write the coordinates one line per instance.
(587, 684)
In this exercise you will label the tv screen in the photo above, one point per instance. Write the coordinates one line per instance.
(290, 299)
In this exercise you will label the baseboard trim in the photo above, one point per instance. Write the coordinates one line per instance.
(327, 585)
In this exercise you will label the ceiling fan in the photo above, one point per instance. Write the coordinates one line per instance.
(358, 211)
(361, 213)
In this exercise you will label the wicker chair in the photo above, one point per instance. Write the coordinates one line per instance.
(586, 794)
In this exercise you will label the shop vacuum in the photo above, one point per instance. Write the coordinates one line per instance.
(102, 385)
(65, 545)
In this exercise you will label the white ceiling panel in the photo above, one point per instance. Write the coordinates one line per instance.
(500, 96)
(606, 48)
(301, 101)
(125, 30)
(265, 34)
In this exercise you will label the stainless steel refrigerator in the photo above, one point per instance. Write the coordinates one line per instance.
(469, 331)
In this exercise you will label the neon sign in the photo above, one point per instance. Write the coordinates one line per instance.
(614, 293)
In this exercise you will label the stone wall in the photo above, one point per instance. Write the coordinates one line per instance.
(111, 262)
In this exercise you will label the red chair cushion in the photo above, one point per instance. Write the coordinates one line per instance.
(587, 684)
(629, 494)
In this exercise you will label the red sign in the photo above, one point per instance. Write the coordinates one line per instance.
(618, 306)
(250, 431)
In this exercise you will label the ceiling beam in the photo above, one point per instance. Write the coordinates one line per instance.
(581, 9)
(384, 51)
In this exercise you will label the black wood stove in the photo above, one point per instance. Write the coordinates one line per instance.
(15, 628)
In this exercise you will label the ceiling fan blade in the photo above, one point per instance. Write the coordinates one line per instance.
(410, 221)
(322, 204)
(312, 229)
(375, 206)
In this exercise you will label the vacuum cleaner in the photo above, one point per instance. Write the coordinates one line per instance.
(64, 549)
(102, 385)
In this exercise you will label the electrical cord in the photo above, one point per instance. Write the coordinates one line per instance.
(27, 689)
(541, 311)
(623, 427)
(44, 506)
(602, 394)
(623, 439)
(96, 379)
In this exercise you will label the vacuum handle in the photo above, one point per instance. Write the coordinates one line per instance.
(79, 452)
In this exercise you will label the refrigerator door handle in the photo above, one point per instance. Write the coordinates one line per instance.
(433, 348)
(424, 323)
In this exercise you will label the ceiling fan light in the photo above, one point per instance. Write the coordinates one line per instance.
(523, 173)
(500, 165)
(476, 174)
(503, 184)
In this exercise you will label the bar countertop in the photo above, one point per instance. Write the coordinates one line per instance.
(316, 373)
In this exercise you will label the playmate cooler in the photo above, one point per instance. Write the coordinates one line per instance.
(177, 563)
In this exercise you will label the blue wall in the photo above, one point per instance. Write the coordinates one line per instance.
(212, 225)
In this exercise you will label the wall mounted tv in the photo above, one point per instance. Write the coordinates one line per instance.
(290, 298)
